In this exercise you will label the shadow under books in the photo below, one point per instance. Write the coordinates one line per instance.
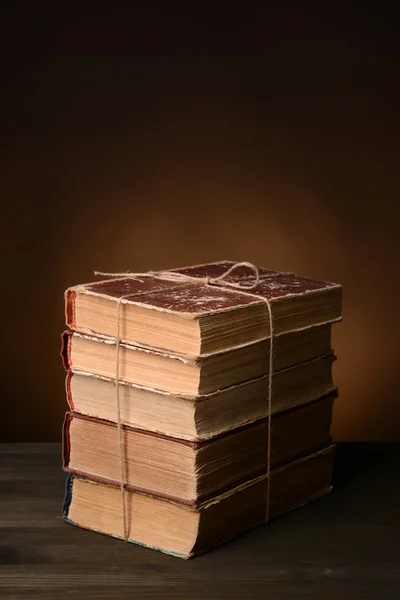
(353, 460)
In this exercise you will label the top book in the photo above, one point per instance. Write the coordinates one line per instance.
(185, 316)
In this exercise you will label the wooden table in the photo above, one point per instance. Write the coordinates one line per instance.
(346, 545)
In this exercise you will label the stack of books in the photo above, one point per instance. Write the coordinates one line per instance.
(179, 437)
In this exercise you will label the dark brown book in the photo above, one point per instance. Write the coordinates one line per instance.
(198, 319)
(190, 472)
(185, 531)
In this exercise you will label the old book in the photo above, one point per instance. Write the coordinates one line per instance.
(192, 471)
(192, 318)
(190, 376)
(202, 417)
(184, 531)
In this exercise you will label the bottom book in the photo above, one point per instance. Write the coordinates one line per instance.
(183, 531)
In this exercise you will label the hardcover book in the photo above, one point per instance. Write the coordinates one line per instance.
(204, 416)
(185, 531)
(189, 376)
(192, 471)
(189, 317)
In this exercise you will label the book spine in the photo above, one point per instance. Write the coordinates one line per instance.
(68, 390)
(66, 440)
(66, 349)
(70, 320)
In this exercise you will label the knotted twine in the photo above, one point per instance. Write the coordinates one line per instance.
(181, 278)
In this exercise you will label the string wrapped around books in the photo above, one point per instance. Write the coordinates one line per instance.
(241, 287)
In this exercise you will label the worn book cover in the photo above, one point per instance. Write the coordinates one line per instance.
(195, 316)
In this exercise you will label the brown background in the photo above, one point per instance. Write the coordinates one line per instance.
(138, 141)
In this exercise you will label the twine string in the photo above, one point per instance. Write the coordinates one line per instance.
(239, 285)
(183, 277)
(242, 287)
(119, 423)
(270, 376)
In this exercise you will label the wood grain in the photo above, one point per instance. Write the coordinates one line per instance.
(343, 546)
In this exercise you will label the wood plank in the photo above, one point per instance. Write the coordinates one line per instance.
(343, 546)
